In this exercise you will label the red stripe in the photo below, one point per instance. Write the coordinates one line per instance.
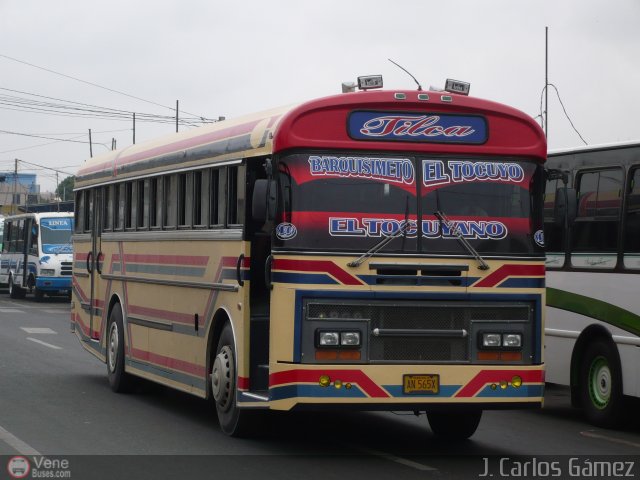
(173, 363)
(325, 266)
(510, 271)
(313, 376)
(243, 383)
(167, 259)
(495, 376)
(232, 262)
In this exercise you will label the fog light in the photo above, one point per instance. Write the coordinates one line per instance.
(512, 340)
(337, 384)
(350, 339)
(516, 381)
(491, 340)
(327, 339)
(503, 384)
(324, 381)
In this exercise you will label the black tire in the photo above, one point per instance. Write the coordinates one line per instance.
(234, 421)
(119, 380)
(14, 291)
(39, 294)
(454, 426)
(600, 384)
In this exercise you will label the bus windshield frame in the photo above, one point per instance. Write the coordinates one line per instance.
(328, 202)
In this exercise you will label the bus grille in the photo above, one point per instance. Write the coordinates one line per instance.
(395, 327)
(66, 268)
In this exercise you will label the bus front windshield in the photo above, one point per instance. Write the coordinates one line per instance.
(350, 203)
(56, 235)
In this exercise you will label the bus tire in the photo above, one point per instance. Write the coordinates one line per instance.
(454, 426)
(39, 294)
(119, 380)
(234, 421)
(600, 384)
(15, 291)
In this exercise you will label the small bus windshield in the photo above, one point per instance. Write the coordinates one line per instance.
(56, 235)
(348, 202)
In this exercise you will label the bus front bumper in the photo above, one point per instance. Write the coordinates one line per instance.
(54, 284)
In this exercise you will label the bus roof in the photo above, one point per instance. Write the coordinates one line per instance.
(319, 124)
(594, 148)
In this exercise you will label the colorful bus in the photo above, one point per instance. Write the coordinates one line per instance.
(593, 277)
(374, 250)
(37, 254)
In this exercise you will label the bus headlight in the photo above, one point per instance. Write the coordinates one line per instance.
(512, 340)
(491, 340)
(350, 339)
(328, 339)
(47, 272)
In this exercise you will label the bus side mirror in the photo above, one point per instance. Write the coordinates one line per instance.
(263, 203)
(565, 206)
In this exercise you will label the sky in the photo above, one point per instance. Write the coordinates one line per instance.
(230, 58)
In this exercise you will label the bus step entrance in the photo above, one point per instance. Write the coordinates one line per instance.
(259, 353)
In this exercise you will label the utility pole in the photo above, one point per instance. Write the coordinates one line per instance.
(134, 128)
(177, 116)
(15, 186)
(90, 145)
(546, 83)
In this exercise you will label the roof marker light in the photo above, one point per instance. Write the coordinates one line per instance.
(423, 96)
(446, 98)
(399, 96)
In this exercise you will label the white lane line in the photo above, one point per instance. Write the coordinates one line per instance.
(16, 304)
(56, 312)
(402, 461)
(39, 330)
(599, 436)
(44, 343)
(17, 444)
(10, 310)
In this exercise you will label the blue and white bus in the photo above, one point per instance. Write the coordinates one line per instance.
(37, 255)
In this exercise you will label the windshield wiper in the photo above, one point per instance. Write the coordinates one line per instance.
(456, 231)
(379, 246)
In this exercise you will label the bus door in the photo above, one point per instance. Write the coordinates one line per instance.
(95, 260)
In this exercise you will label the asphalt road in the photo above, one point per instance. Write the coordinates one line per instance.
(55, 401)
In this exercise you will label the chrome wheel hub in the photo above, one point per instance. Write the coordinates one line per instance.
(222, 378)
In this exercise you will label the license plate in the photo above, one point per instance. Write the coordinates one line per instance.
(421, 384)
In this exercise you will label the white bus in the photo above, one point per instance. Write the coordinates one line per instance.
(37, 255)
(592, 236)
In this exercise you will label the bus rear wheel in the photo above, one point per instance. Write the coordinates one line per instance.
(601, 384)
(14, 290)
(454, 426)
(233, 421)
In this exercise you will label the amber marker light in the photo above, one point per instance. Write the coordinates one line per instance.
(337, 384)
(516, 381)
(503, 384)
(324, 381)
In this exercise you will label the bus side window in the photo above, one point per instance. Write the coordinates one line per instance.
(553, 232)
(632, 222)
(33, 239)
(79, 212)
(599, 203)
(142, 205)
(88, 211)
(155, 202)
(20, 237)
(201, 193)
(170, 201)
(185, 200)
(119, 203)
(235, 195)
(217, 202)
(129, 206)
(6, 241)
(108, 208)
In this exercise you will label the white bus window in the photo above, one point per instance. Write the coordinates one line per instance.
(632, 222)
(594, 235)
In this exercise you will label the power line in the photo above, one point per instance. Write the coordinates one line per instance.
(563, 109)
(97, 86)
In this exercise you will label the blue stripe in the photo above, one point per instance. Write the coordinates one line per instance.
(522, 282)
(314, 391)
(446, 391)
(524, 391)
(304, 278)
(419, 280)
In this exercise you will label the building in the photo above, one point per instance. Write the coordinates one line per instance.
(16, 190)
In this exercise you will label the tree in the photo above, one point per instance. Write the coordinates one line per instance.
(65, 189)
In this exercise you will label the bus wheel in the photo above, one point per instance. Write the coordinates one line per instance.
(15, 291)
(601, 384)
(454, 425)
(233, 420)
(119, 380)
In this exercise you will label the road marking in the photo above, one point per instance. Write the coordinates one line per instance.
(10, 310)
(38, 330)
(55, 347)
(14, 442)
(402, 461)
(592, 434)
(17, 304)
(56, 312)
